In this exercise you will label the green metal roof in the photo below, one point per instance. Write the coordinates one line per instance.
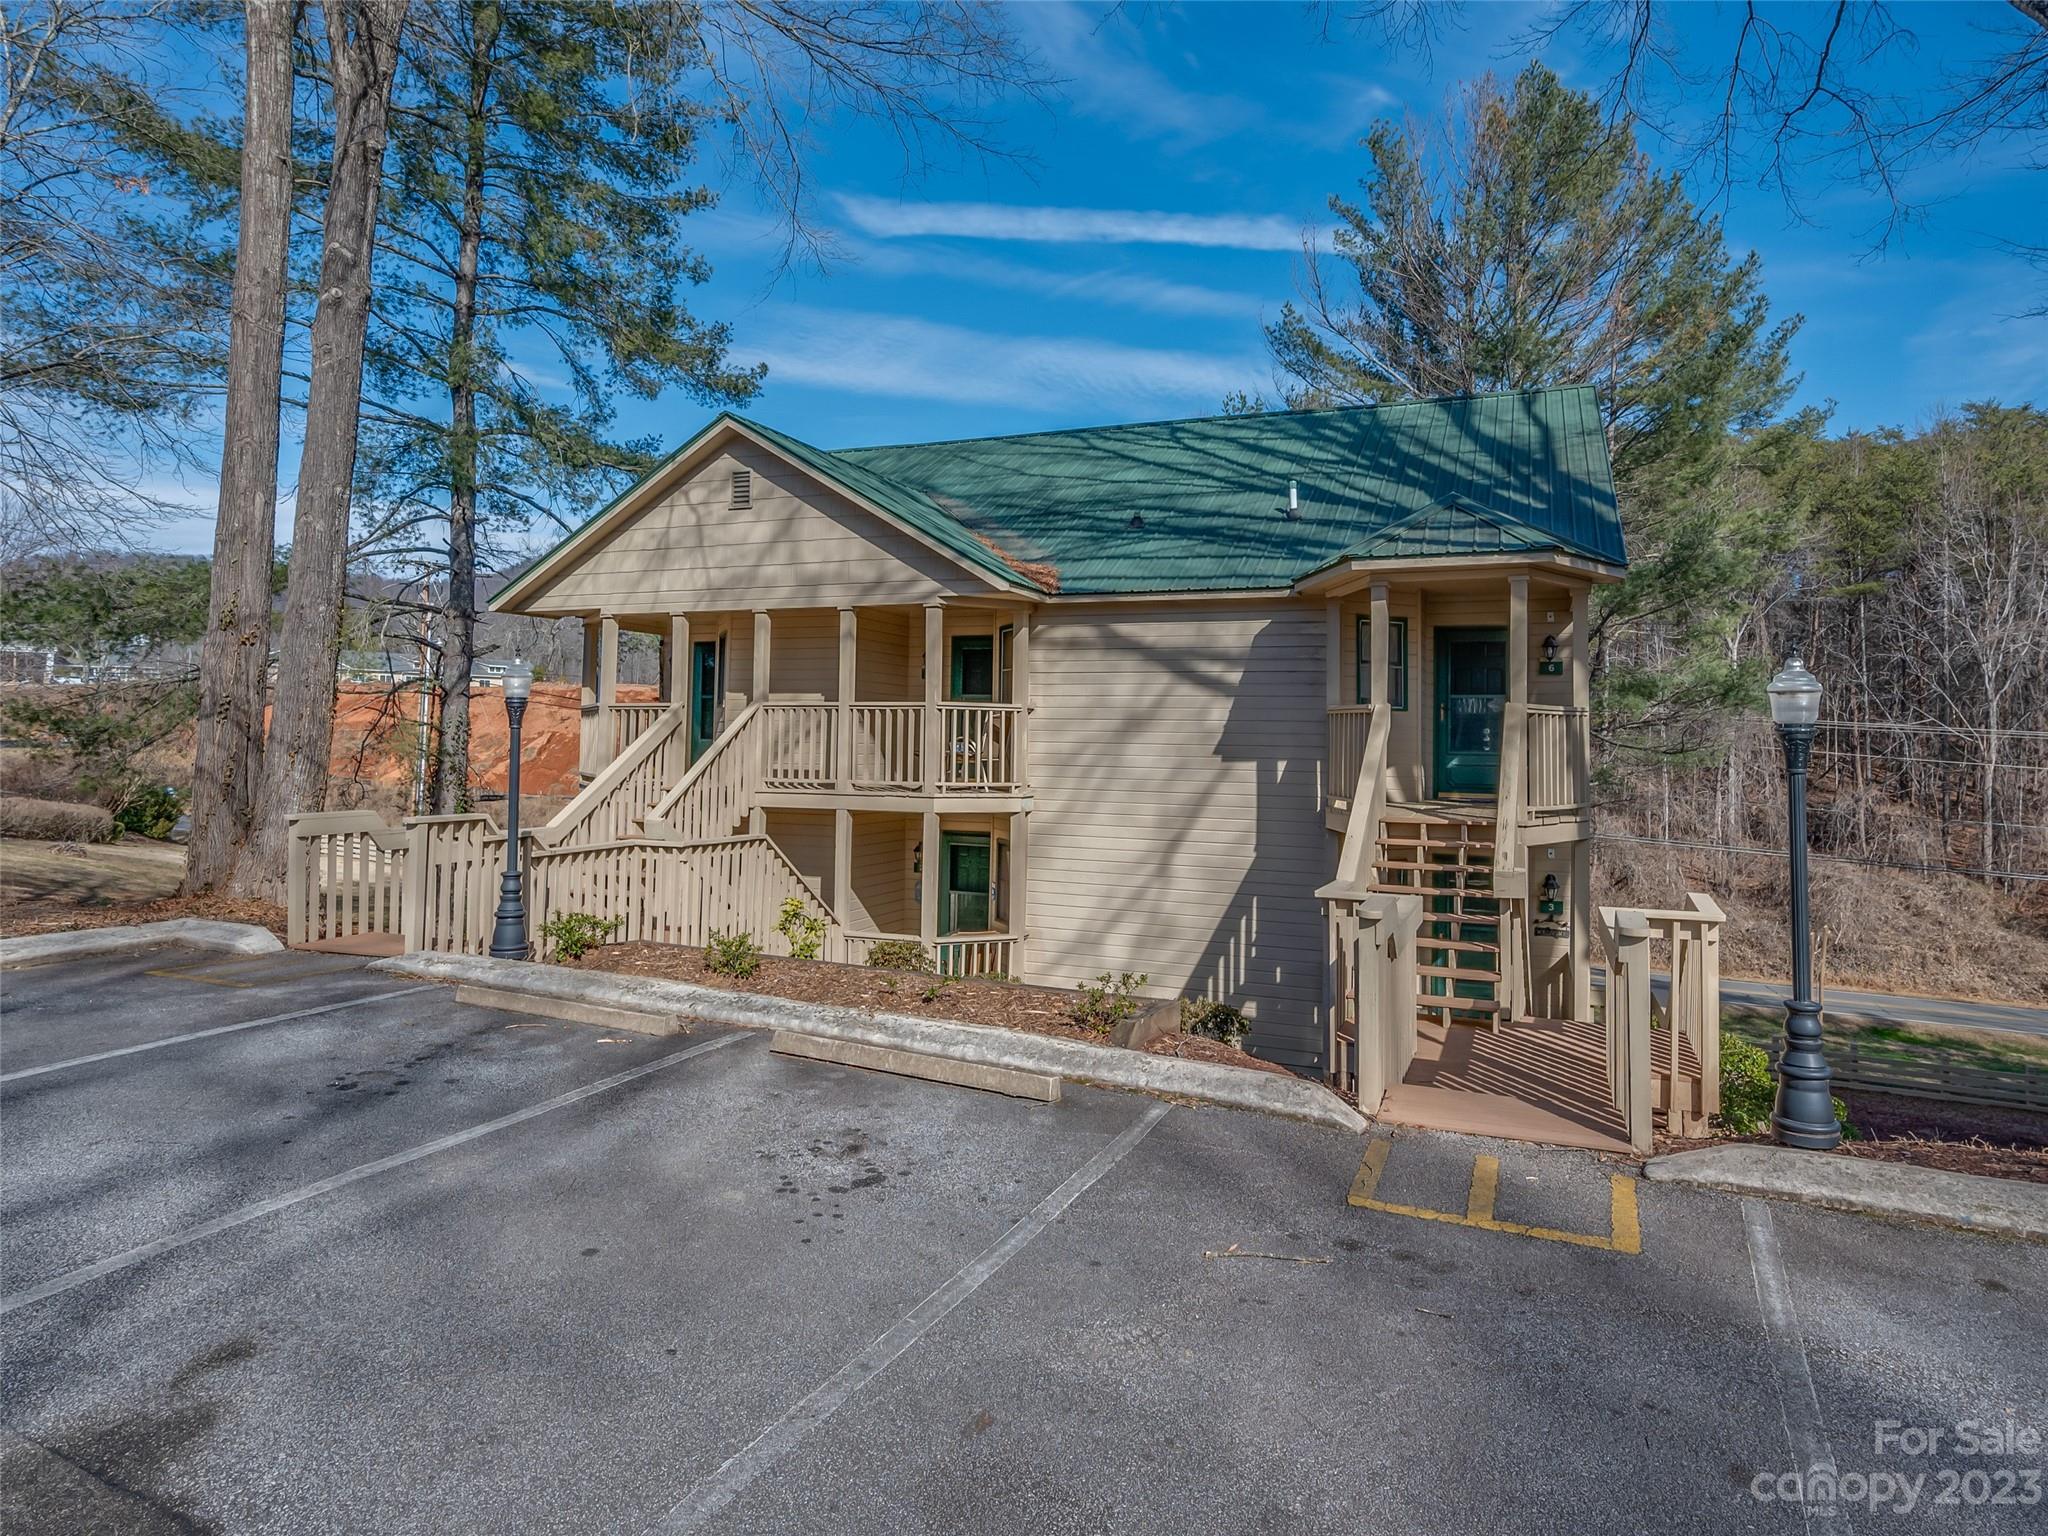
(1201, 505)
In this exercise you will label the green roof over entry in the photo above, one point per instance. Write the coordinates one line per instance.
(1202, 505)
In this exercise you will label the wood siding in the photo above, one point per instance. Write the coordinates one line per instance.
(799, 543)
(1175, 753)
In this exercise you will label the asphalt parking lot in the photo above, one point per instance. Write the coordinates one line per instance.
(292, 1246)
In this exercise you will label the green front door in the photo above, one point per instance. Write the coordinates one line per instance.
(703, 696)
(963, 882)
(1471, 692)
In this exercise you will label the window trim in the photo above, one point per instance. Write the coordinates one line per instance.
(1397, 660)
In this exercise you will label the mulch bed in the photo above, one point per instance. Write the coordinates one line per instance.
(20, 918)
(998, 1004)
(1927, 1133)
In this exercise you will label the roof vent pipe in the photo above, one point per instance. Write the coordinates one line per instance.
(1293, 499)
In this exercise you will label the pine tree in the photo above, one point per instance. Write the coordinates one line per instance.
(1532, 244)
(536, 209)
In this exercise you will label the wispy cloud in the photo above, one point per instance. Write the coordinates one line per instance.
(906, 358)
(1101, 60)
(1112, 288)
(881, 217)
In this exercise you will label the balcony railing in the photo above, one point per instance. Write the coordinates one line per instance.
(884, 747)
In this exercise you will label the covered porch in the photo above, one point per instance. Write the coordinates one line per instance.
(899, 700)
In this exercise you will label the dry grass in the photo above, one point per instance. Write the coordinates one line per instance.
(1938, 935)
(54, 820)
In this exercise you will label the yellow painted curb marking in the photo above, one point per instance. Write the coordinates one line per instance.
(1625, 1233)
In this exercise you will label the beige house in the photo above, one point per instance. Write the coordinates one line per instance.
(1283, 711)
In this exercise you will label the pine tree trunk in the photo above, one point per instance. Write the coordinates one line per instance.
(234, 654)
(363, 49)
(458, 614)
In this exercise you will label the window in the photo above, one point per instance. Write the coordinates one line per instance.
(974, 669)
(1005, 665)
(742, 489)
(1397, 660)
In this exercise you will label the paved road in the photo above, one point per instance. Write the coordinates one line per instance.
(404, 1266)
(1895, 1008)
(1884, 1007)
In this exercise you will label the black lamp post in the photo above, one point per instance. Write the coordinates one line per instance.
(508, 939)
(1805, 1111)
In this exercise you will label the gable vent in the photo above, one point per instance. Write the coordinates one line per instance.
(742, 489)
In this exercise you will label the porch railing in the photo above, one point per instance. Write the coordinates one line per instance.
(432, 884)
(345, 877)
(709, 801)
(1555, 781)
(613, 804)
(978, 746)
(1676, 1068)
(888, 746)
(1369, 993)
(962, 955)
(672, 893)
(797, 746)
(1349, 727)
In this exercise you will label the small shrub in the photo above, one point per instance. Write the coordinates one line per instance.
(57, 821)
(899, 955)
(732, 954)
(151, 811)
(576, 934)
(1108, 1001)
(936, 987)
(1749, 1091)
(1213, 1021)
(804, 929)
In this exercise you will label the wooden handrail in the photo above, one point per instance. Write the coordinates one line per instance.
(735, 738)
(595, 799)
(1368, 805)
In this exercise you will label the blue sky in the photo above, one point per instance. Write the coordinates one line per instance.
(1120, 266)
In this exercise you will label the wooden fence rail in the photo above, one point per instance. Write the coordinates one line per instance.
(1683, 1078)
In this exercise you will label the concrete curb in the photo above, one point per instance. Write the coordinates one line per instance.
(237, 938)
(1965, 1201)
(1074, 1060)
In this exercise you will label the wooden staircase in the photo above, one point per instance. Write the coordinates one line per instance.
(1448, 859)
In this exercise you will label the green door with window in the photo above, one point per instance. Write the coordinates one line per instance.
(703, 696)
(1471, 696)
(963, 882)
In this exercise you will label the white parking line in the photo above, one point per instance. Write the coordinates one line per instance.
(202, 1034)
(262, 1208)
(1806, 1434)
(723, 1486)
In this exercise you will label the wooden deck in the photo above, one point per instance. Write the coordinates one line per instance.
(1542, 1080)
(377, 945)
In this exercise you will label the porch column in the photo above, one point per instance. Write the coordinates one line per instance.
(675, 671)
(928, 890)
(1582, 933)
(589, 761)
(841, 889)
(1020, 695)
(763, 674)
(849, 647)
(764, 640)
(1020, 857)
(934, 693)
(1582, 694)
(607, 659)
(1518, 640)
(1382, 643)
(1333, 654)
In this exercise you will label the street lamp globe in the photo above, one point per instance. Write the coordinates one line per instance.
(1795, 694)
(518, 679)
